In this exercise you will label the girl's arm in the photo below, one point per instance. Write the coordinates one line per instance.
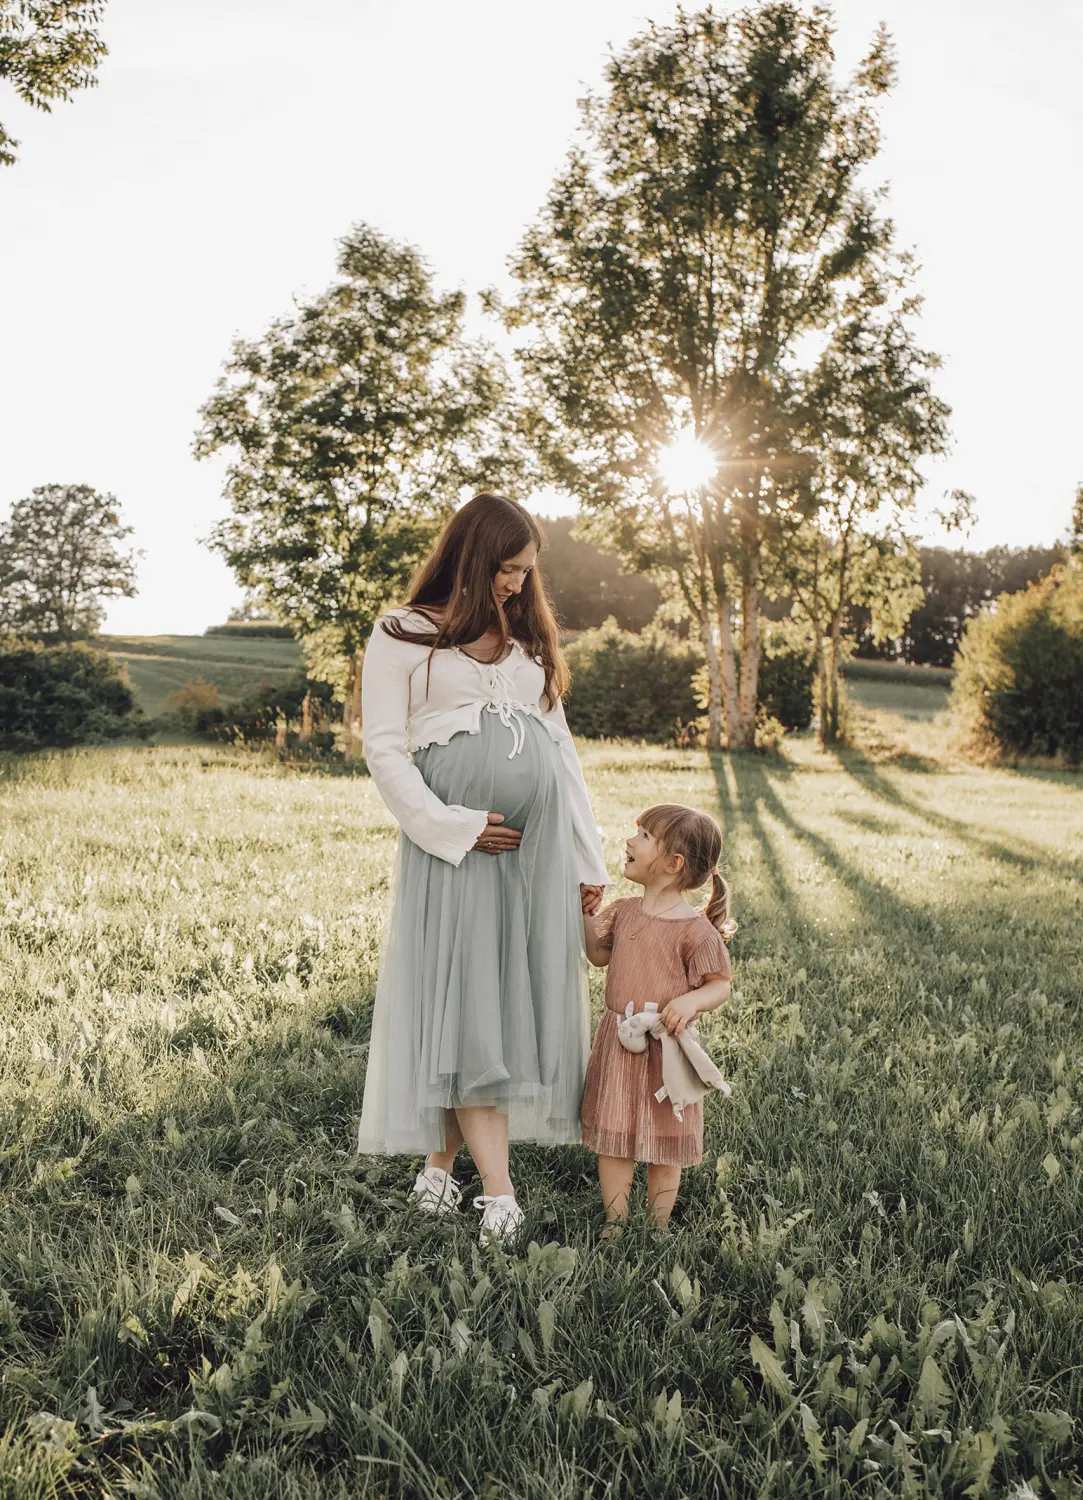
(713, 992)
(597, 952)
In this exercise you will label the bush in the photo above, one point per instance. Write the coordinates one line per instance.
(258, 717)
(653, 686)
(632, 686)
(250, 629)
(787, 674)
(1019, 682)
(191, 704)
(55, 696)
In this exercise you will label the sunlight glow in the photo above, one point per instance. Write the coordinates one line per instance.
(687, 463)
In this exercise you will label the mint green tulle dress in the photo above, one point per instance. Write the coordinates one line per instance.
(482, 995)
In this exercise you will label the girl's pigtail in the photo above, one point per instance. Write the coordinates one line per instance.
(717, 909)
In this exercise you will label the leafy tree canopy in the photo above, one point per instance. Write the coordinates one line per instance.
(351, 429)
(48, 50)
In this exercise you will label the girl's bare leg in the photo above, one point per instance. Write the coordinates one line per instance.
(485, 1131)
(453, 1140)
(615, 1176)
(662, 1185)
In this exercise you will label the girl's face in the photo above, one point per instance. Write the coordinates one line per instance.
(644, 857)
(513, 572)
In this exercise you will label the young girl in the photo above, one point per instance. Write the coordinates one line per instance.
(657, 948)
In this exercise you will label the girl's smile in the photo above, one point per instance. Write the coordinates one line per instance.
(640, 852)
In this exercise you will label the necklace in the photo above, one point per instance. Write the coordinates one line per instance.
(651, 916)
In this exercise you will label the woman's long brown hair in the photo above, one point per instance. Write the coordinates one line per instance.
(458, 575)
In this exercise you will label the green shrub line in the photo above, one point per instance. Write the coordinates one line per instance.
(253, 628)
(55, 696)
(652, 685)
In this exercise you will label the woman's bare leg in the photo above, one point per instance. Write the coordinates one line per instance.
(453, 1140)
(615, 1177)
(662, 1185)
(485, 1131)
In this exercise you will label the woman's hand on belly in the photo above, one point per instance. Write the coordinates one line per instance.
(495, 838)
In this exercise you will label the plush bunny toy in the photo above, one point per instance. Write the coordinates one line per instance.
(687, 1072)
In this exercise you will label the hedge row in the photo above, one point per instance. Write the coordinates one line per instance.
(652, 686)
(61, 696)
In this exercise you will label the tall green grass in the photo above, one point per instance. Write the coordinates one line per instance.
(873, 1287)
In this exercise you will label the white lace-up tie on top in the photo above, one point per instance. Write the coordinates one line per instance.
(500, 687)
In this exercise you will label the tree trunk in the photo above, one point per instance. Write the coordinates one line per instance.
(832, 722)
(821, 682)
(351, 713)
(306, 719)
(831, 731)
(714, 680)
(281, 729)
(729, 671)
(750, 667)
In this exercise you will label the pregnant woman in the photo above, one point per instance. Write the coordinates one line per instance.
(480, 1027)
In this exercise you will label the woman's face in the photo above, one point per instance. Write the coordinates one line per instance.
(512, 572)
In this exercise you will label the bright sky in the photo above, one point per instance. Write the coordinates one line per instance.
(231, 142)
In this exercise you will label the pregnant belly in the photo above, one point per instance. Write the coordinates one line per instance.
(476, 770)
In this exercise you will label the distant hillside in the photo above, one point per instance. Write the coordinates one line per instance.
(158, 664)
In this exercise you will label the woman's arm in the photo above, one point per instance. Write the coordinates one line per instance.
(713, 992)
(590, 861)
(446, 831)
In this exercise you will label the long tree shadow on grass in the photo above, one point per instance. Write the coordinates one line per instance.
(746, 838)
(757, 793)
(1027, 856)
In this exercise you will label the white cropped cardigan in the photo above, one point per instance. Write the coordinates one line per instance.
(399, 717)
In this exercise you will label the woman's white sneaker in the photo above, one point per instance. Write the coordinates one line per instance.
(436, 1191)
(501, 1218)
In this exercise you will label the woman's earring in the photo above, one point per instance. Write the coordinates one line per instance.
(464, 591)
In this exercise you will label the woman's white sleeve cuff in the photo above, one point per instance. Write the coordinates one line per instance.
(456, 841)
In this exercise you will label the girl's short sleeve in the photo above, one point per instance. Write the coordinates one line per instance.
(711, 956)
(605, 922)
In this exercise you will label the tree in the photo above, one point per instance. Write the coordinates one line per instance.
(692, 251)
(352, 429)
(48, 50)
(872, 416)
(61, 554)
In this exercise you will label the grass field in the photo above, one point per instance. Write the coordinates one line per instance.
(874, 1283)
(159, 664)
(911, 697)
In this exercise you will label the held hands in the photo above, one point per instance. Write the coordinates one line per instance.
(679, 1013)
(495, 839)
(591, 897)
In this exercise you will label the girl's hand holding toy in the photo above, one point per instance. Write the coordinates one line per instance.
(682, 1011)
